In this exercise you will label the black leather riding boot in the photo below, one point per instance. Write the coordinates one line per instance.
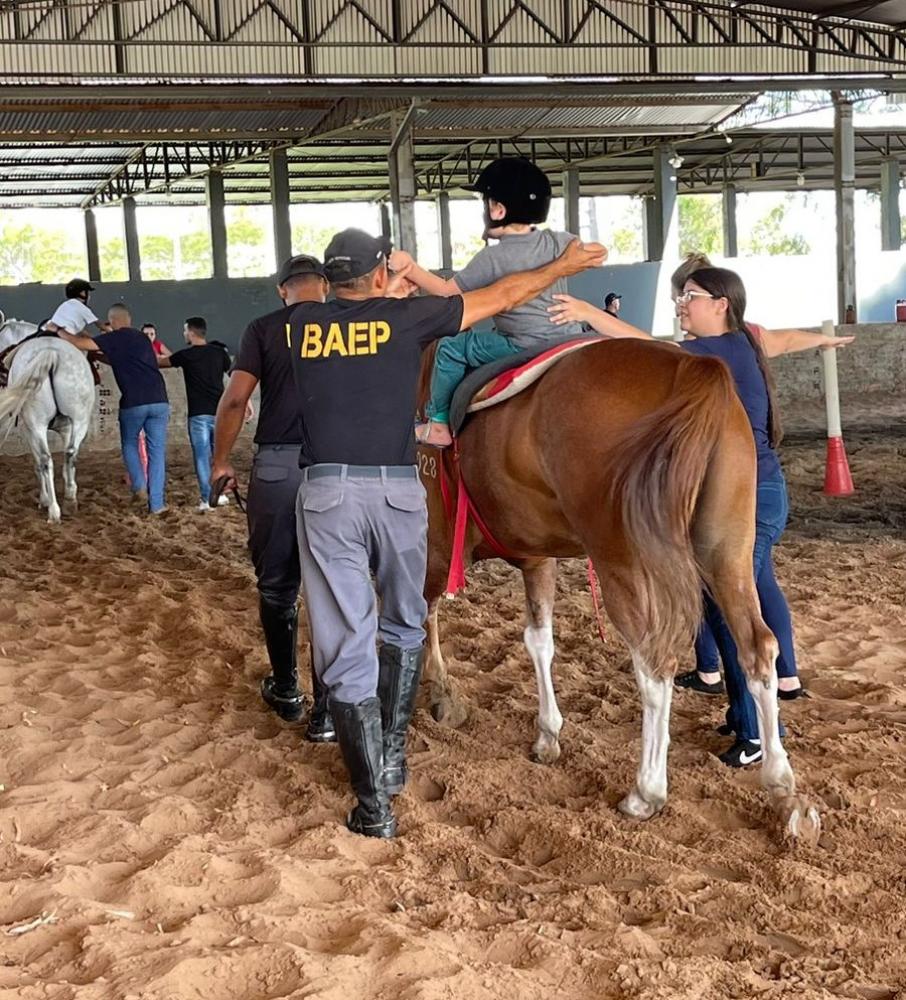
(320, 724)
(361, 742)
(281, 690)
(400, 671)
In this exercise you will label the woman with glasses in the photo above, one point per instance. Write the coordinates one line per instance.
(711, 307)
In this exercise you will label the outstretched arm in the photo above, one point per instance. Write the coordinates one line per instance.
(404, 264)
(514, 289)
(777, 342)
(572, 310)
(78, 340)
(231, 412)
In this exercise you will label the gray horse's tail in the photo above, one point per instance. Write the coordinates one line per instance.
(14, 397)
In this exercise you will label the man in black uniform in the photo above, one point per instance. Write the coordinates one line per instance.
(361, 508)
(264, 357)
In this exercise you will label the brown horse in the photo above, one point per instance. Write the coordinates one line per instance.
(641, 457)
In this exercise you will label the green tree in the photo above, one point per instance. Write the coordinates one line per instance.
(195, 255)
(245, 247)
(626, 244)
(700, 224)
(769, 238)
(157, 258)
(29, 253)
(112, 254)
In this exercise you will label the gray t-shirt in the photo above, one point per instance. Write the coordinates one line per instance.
(528, 325)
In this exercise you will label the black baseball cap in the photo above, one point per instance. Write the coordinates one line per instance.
(610, 296)
(352, 253)
(302, 263)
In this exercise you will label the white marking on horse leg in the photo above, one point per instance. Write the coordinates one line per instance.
(539, 641)
(798, 815)
(650, 792)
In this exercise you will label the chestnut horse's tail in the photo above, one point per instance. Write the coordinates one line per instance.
(656, 476)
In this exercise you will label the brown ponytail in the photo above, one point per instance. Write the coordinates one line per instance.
(725, 284)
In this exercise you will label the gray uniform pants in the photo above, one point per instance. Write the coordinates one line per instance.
(271, 515)
(355, 522)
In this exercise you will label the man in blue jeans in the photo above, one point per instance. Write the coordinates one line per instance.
(143, 402)
(203, 367)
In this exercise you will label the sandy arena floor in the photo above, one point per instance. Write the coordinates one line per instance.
(163, 837)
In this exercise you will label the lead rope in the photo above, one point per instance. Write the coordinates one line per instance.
(593, 584)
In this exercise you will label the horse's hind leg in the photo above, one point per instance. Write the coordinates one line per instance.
(734, 591)
(66, 429)
(37, 439)
(540, 579)
(623, 601)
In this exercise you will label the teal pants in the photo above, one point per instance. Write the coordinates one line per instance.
(455, 356)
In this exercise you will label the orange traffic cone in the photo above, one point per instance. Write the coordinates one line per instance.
(837, 479)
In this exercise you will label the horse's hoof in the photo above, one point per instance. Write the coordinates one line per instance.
(800, 818)
(546, 749)
(449, 711)
(636, 807)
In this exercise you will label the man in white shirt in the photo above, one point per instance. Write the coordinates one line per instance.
(74, 315)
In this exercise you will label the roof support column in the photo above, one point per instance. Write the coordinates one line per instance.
(91, 246)
(401, 168)
(844, 196)
(659, 225)
(890, 204)
(130, 228)
(386, 230)
(728, 214)
(283, 233)
(444, 235)
(217, 222)
(571, 200)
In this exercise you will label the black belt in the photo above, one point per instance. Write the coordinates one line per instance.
(282, 446)
(330, 470)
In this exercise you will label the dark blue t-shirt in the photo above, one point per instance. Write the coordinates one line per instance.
(134, 365)
(739, 355)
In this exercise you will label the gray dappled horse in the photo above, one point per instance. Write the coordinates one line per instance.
(50, 388)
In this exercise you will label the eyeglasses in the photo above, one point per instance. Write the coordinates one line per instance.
(684, 298)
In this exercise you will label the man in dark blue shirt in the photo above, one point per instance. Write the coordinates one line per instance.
(143, 401)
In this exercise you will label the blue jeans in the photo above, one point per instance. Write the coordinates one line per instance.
(455, 356)
(152, 418)
(201, 434)
(771, 511)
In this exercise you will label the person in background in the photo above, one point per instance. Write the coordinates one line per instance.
(203, 367)
(612, 303)
(160, 348)
(264, 359)
(143, 402)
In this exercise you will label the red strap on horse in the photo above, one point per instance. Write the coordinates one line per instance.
(465, 508)
(593, 584)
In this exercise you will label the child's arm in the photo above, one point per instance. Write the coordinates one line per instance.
(403, 263)
(777, 342)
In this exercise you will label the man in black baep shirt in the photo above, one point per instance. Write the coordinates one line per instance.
(203, 367)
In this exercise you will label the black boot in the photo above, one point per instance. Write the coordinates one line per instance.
(281, 689)
(320, 724)
(360, 737)
(398, 677)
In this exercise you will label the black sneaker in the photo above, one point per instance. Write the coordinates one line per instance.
(798, 692)
(742, 753)
(693, 682)
(289, 704)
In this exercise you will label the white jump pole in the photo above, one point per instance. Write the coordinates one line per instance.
(837, 479)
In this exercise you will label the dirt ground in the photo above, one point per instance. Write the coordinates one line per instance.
(164, 837)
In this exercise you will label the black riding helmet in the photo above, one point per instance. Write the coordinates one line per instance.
(519, 186)
(77, 287)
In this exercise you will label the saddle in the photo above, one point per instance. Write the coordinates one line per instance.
(501, 380)
(6, 357)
